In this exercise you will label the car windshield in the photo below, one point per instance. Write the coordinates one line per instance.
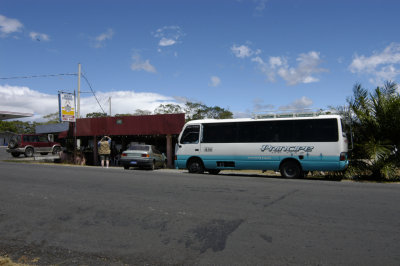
(139, 148)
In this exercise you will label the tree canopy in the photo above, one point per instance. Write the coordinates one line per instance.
(202, 111)
(18, 127)
(168, 109)
(52, 118)
(95, 114)
(194, 111)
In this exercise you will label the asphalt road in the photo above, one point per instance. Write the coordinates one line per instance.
(3, 154)
(65, 215)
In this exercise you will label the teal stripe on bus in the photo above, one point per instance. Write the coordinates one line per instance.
(267, 162)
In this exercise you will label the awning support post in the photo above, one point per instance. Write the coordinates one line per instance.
(95, 160)
(170, 161)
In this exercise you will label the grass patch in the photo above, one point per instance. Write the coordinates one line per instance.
(5, 261)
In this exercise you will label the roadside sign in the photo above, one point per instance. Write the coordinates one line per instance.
(66, 103)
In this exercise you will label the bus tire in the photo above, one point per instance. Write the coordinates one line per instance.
(195, 166)
(291, 169)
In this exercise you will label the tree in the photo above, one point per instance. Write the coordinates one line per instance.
(123, 114)
(18, 127)
(376, 127)
(168, 109)
(195, 111)
(7, 126)
(142, 112)
(218, 113)
(52, 118)
(201, 111)
(95, 114)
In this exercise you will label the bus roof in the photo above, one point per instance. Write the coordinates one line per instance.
(262, 119)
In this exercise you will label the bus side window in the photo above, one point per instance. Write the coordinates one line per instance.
(191, 135)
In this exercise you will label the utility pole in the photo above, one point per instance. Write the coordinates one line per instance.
(109, 101)
(78, 108)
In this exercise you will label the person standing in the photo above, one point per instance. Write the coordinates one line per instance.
(104, 150)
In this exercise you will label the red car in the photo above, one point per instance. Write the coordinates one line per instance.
(28, 144)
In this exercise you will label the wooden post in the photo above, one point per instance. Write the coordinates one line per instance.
(95, 152)
(170, 161)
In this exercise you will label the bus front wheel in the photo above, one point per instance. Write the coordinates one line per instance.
(195, 166)
(291, 169)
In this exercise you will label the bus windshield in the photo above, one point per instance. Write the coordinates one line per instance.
(190, 135)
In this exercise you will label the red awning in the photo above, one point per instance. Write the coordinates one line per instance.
(63, 134)
(164, 124)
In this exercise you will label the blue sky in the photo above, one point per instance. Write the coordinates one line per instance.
(245, 55)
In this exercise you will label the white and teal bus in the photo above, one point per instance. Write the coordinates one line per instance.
(292, 145)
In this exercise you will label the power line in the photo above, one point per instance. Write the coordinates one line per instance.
(39, 76)
(90, 86)
(57, 75)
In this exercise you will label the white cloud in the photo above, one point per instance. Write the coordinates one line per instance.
(138, 64)
(269, 69)
(308, 66)
(123, 102)
(168, 35)
(299, 105)
(214, 81)
(384, 65)
(102, 38)
(242, 51)
(9, 25)
(258, 60)
(261, 4)
(302, 104)
(23, 99)
(166, 42)
(260, 106)
(36, 36)
(26, 100)
(275, 62)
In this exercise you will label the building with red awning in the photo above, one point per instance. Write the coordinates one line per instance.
(160, 130)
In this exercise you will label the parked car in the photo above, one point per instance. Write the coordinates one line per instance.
(144, 156)
(28, 144)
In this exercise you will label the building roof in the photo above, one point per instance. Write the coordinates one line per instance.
(4, 115)
(52, 128)
(164, 124)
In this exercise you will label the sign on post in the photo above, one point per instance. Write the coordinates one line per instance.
(66, 103)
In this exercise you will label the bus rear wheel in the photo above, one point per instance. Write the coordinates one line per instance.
(291, 169)
(195, 166)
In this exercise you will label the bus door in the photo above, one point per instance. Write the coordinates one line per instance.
(189, 144)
